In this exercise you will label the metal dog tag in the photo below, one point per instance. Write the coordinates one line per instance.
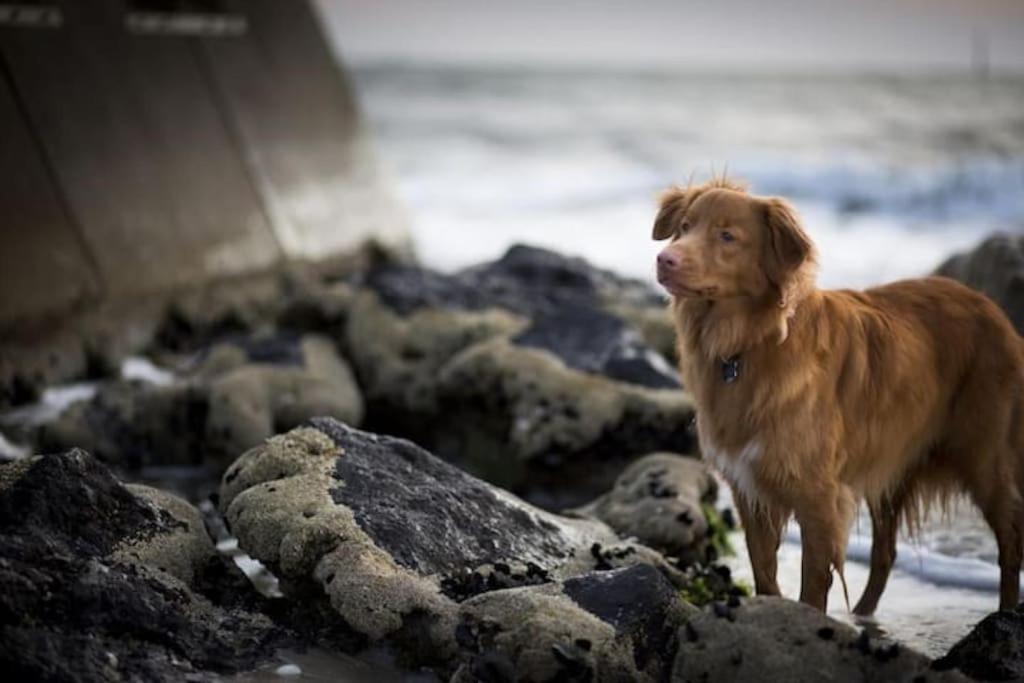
(730, 369)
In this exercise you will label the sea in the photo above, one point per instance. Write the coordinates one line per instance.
(890, 174)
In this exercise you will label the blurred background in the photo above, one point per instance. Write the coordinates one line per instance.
(896, 126)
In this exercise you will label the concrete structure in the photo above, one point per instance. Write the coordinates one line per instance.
(148, 145)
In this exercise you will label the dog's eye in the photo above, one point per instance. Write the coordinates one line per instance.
(727, 236)
(685, 227)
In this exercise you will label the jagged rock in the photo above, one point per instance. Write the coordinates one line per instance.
(394, 539)
(993, 650)
(525, 370)
(660, 500)
(779, 641)
(99, 582)
(995, 267)
(242, 392)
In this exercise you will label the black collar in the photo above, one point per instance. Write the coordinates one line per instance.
(731, 369)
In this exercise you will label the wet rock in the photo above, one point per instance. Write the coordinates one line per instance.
(660, 500)
(527, 280)
(520, 417)
(275, 390)
(399, 543)
(772, 639)
(526, 370)
(133, 425)
(97, 581)
(641, 605)
(397, 357)
(600, 626)
(242, 392)
(995, 267)
(600, 343)
(993, 650)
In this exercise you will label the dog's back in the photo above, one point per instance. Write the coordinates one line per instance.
(932, 381)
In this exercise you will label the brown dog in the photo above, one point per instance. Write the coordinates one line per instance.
(810, 400)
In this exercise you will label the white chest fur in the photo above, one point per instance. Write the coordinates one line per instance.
(736, 466)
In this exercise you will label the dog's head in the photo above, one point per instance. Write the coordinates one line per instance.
(726, 243)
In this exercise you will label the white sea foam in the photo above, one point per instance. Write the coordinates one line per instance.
(144, 370)
(891, 175)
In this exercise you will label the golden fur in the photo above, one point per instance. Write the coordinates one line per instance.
(898, 395)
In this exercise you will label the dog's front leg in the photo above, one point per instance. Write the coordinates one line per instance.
(822, 536)
(762, 527)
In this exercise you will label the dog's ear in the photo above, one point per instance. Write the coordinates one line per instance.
(674, 203)
(787, 247)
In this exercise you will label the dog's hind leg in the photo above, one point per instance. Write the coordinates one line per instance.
(762, 528)
(884, 526)
(1003, 509)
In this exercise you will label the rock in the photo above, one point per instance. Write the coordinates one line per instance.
(602, 626)
(273, 393)
(599, 343)
(523, 419)
(99, 582)
(641, 605)
(322, 309)
(405, 547)
(660, 500)
(26, 369)
(993, 650)
(525, 371)
(995, 267)
(132, 425)
(772, 639)
(397, 357)
(242, 391)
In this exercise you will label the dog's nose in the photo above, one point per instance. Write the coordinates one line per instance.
(668, 260)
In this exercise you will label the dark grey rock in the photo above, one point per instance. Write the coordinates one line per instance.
(527, 280)
(531, 371)
(392, 486)
(993, 650)
(995, 267)
(595, 341)
(640, 604)
(98, 583)
(402, 545)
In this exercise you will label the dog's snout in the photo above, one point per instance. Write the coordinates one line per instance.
(668, 260)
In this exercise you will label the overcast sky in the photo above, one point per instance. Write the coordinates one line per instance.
(890, 35)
